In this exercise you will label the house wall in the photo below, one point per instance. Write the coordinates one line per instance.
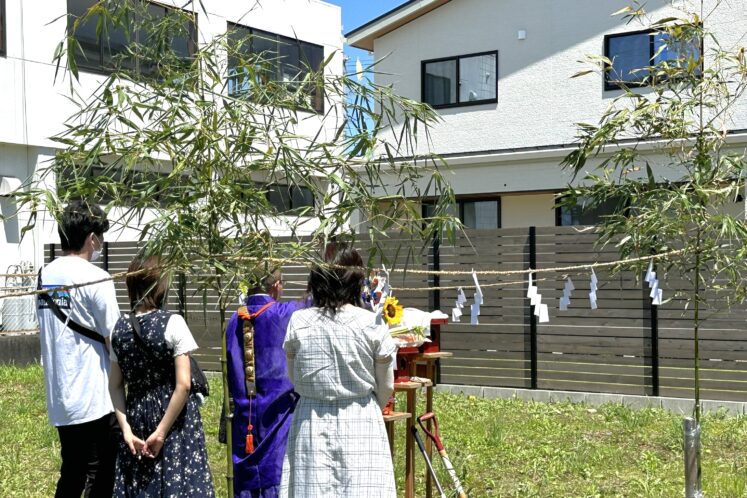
(517, 144)
(527, 210)
(34, 105)
(538, 102)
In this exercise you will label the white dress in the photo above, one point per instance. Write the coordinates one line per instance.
(337, 444)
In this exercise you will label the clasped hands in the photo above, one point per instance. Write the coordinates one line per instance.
(150, 448)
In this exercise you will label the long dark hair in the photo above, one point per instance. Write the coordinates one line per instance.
(333, 286)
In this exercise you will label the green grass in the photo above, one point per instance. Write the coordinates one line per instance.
(501, 448)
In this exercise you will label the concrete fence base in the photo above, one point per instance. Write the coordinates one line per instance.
(682, 406)
(19, 348)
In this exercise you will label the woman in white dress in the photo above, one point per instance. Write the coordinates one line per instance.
(341, 363)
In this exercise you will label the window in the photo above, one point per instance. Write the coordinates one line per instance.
(103, 54)
(111, 183)
(632, 53)
(3, 49)
(477, 214)
(287, 61)
(580, 214)
(462, 80)
(286, 199)
(481, 215)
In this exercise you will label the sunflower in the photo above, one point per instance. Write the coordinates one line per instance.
(393, 311)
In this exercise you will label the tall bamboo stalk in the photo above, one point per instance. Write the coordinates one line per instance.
(227, 413)
(696, 326)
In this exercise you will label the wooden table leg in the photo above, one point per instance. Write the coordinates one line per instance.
(410, 447)
(429, 373)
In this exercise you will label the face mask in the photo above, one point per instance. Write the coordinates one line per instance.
(96, 254)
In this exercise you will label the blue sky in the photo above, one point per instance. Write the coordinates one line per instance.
(358, 12)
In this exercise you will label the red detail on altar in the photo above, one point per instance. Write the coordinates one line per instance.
(405, 356)
(435, 345)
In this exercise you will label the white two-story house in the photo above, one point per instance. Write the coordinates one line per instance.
(34, 107)
(499, 74)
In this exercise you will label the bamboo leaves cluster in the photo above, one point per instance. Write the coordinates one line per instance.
(662, 154)
(186, 139)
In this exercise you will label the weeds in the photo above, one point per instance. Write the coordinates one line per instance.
(501, 448)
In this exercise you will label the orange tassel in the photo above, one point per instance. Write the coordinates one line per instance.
(249, 441)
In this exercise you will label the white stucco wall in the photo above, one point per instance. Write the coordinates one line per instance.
(538, 102)
(516, 145)
(33, 107)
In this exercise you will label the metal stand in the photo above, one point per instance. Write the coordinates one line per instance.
(692, 458)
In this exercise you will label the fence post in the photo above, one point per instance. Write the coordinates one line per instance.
(182, 295)
(435, 295)
(51, 253)
(654, 317)
(435, 281)
(532, 317)
(106, 256)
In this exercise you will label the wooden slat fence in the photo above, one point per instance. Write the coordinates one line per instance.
(625, 346)
(497, 351)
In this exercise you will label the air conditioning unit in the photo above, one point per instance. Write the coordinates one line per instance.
(18, 314)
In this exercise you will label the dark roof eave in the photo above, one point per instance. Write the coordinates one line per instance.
(366, 43)
(379, 18)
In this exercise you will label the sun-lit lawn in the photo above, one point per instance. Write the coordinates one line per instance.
(502, 448)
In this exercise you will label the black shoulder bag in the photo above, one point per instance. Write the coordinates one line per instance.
(72, 324)
(199, 381)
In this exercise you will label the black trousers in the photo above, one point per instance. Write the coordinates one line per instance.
(89, 452)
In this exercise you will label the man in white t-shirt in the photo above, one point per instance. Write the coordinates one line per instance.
(76, 366)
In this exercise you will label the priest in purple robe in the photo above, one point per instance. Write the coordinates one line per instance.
(258, 383)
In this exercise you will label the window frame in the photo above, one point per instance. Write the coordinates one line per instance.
(496, 199)
(291, 210)
(278, 38)
(611, 85)
(457, 58)
(3, 30)
(559, 213)
(103, 198)
(100, 68)
(460, 201)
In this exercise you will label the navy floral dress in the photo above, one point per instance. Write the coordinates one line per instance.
(181, 468)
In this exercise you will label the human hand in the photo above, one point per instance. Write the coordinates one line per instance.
(153, 444)
(133, 442)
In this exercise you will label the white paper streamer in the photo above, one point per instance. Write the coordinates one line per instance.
(565, 299)
(461, 298)
(656, 293)
(544, 315)
(475, 312)
(478, 292)
(593, 293)
(535, 299)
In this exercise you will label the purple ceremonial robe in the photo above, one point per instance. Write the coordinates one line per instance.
(258, 474)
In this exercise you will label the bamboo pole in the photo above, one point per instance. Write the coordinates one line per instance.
(227, 408)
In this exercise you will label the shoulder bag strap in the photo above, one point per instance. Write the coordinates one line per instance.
(72, 324)
(138, 335)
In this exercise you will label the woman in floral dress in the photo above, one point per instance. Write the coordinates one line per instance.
(341, 364)
(163, 453)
